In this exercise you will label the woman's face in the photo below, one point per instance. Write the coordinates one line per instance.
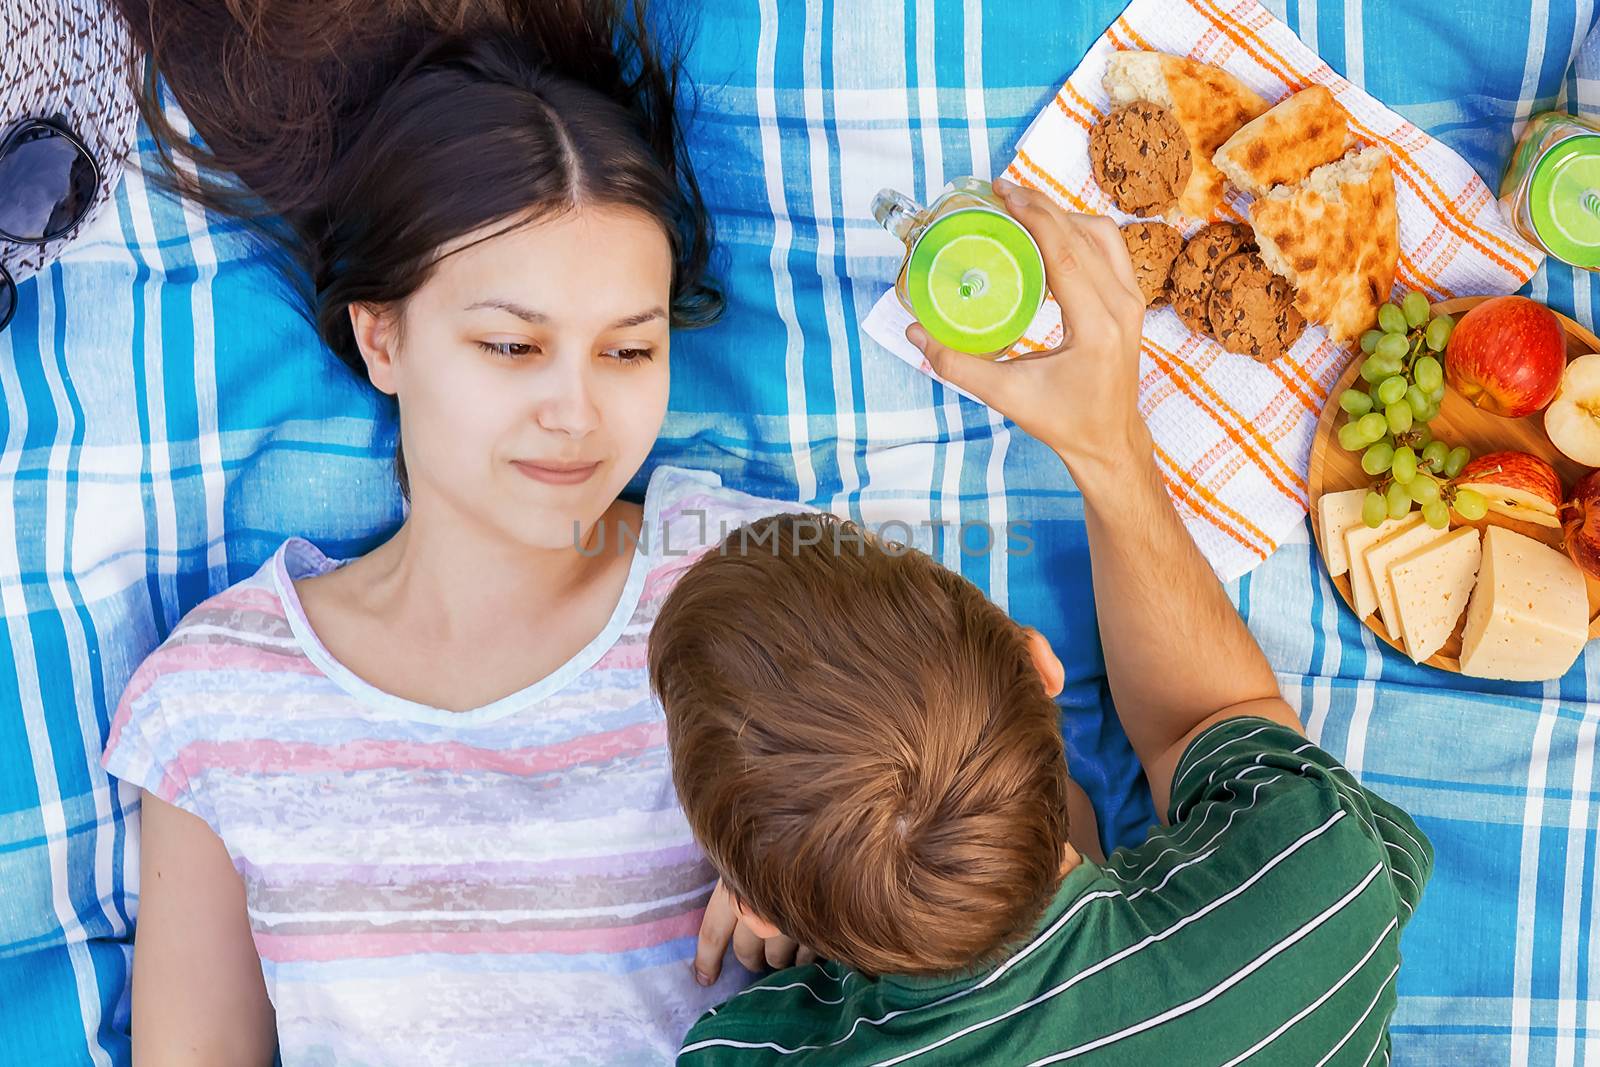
(531, 371)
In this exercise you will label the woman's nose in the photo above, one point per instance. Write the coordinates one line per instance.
(566, 402)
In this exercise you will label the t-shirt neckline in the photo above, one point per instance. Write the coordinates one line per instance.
(298, 557)
(1072, 887)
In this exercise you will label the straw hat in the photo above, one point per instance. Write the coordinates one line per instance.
(75, 59)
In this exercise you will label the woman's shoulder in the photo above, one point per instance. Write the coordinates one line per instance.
(687, 514)
(244, 627)
(234, 644)
(688, 511)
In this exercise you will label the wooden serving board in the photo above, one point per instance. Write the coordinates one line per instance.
(1460, 423)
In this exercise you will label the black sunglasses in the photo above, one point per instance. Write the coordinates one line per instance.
(47, 182)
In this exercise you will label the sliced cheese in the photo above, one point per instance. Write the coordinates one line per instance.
(1338, 513)
(1431, 587)
(1357, 543)
(1529, 616)
(1382, 555)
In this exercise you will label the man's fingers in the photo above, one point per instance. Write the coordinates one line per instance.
(1109, 266)
(1106, 235)
(716, 928)
(780, 952)
(748, 948)
(1125, 297)
(1070, 259)
(1083, 253)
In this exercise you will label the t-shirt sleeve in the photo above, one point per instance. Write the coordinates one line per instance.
(142, 748)
(1249, 769)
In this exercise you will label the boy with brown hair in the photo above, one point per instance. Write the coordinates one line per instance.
(868, 742)
(868, 752)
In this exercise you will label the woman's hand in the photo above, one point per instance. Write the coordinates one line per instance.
(754, 944)
(1081, 397)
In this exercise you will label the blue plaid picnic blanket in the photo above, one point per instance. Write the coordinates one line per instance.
(168, 418)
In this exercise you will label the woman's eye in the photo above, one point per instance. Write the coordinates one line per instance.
(630, 355)
(506, 349)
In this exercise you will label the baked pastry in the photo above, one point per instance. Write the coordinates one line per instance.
(1140, 158)
(1281, 147)
(1153, 247)
(1252, 310)
(1209, 103)
(1193, 271)
(1336, 238)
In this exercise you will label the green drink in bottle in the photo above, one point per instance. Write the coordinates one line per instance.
(972, 275)
(1551, 192)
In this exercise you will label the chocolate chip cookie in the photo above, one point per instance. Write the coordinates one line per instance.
(1153, 246)
(1192, 272)
(1140, 157)
(1252, 310)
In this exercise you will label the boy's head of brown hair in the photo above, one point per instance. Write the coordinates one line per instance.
(865, 745)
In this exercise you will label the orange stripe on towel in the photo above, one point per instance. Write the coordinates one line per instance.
(1186, 484)
(1230, 421)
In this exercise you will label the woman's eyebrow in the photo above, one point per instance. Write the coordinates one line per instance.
(639, 319)
(527, 314)
(523, 313)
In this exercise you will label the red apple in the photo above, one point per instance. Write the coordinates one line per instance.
(1582, 525)
(1506, 356)
(1516, 485)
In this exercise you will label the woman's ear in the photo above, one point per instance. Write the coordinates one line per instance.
(375, 333)
(753, 922)
(1051, 673)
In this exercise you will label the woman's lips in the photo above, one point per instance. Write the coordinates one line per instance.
(556, 473)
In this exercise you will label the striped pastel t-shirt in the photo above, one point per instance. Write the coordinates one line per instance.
(1261, 927)
(513, 884)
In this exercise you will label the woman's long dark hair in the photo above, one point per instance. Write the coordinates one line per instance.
(380, 131)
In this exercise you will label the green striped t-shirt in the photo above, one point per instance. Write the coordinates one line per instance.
(1261, 926)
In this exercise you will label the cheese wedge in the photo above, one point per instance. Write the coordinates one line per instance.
(1357, 543)
(1529, 616)
(1382, 555)
(1338, 512)
(1431, 587)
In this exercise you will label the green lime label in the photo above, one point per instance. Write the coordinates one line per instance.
(1564, 200)
(975, 280)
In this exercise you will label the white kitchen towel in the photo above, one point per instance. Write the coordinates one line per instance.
(1233, 437)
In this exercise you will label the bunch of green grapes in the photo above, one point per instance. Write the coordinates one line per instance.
(1388, 419)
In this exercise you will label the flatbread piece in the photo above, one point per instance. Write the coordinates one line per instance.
(1208, 102)
(1281, 147)
(1336, 237)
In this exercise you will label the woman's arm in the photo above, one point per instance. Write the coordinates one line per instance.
(198, 995)
(1178, 657)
